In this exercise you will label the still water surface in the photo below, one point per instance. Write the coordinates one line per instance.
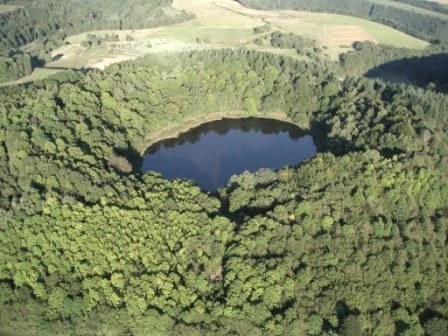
(211, 153)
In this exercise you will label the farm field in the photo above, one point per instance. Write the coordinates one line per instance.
(227, 24)
(338, 32)
(313, 25)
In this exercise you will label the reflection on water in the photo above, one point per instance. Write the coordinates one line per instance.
(211, 153)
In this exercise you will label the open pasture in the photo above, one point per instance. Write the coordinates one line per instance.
(226, 24)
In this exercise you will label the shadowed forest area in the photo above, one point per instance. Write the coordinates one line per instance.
(429, 71)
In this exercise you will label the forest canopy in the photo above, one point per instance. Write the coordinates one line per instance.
(352, 242)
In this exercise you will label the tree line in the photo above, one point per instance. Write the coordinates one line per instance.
(282, 40)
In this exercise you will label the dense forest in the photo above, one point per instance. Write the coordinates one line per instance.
(427, 27)
(44, 19)
(15, 67)
(431, 5)
(352, 242)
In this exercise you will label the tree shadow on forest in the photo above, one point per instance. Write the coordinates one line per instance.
(424, 71)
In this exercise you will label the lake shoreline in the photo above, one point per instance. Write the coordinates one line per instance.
(213, 152)
(191, 123)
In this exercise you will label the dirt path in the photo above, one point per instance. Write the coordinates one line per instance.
(200, 8)
(206, 8)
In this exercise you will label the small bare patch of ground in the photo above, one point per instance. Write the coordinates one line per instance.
(200, 8)
(151, 46)
(103, 63)
(8, 8)
(66, 51)
(260, 14)
(344, 36)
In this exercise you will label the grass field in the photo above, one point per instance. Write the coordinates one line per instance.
(226, 23)
(77, 58)
(38, 74)
(337, 32)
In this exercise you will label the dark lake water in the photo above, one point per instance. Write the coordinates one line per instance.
(211, 153)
